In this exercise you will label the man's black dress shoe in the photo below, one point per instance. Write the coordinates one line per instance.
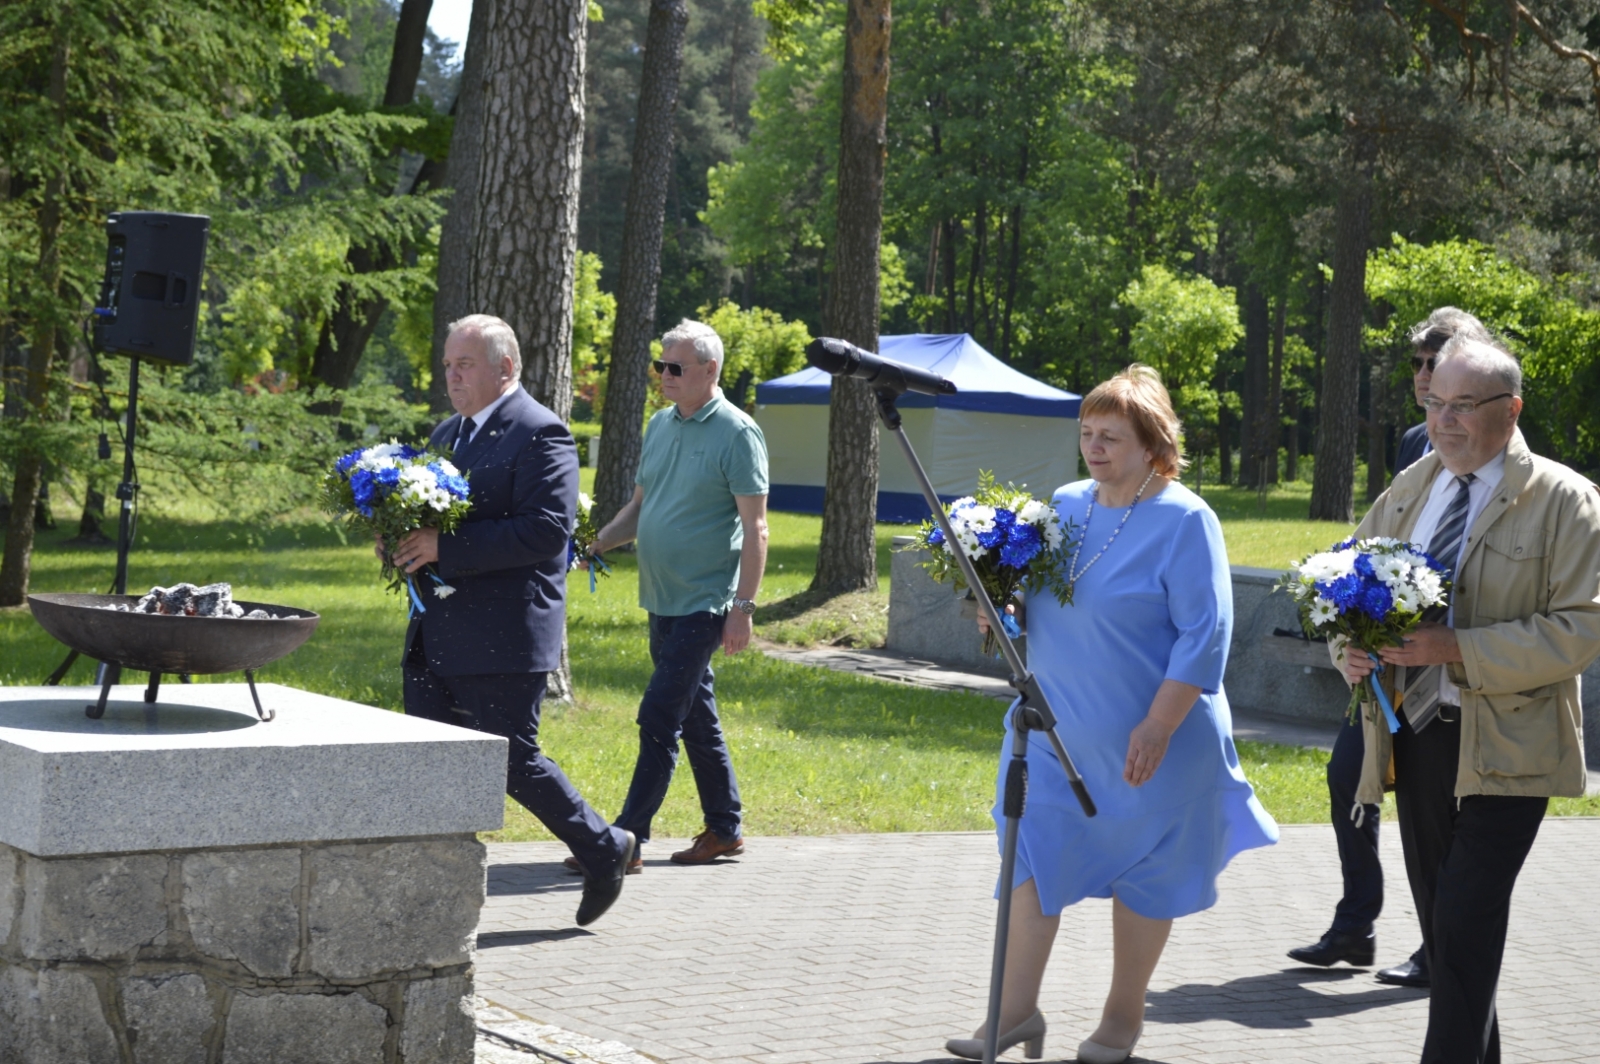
(1413, 972)
(1355, 949)
(599, 892)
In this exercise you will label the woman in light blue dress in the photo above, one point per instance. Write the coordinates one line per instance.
(1133, 670)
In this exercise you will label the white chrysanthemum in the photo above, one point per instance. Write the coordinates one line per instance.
(1412, 558)
(979, 518)
(392, 449)
(1428, 584)
(419, 475)
(1042, 516)
(1407, 598)
(968, 541)
(1391, 569)
(1323, 611)
(449, 471)
(1330, 565)
(584, 502)
(444, 591)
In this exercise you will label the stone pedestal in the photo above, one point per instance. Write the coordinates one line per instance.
(183, 883)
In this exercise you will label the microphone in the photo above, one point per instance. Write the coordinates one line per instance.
(844, 359)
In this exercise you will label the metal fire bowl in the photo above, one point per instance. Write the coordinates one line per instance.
(152, 642)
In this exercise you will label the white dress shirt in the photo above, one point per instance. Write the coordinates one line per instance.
(1479, 492)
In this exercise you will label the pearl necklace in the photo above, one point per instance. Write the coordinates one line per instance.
(1074, 574)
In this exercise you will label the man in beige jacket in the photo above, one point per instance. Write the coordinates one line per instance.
(1491, 723)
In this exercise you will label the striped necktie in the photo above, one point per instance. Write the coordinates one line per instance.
(464, 435)
(1421, 701)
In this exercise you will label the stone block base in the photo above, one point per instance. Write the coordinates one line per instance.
(317, 953)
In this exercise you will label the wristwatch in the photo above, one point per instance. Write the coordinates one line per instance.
(745, 606)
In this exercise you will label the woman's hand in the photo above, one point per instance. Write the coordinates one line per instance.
(983, 621)
(1147, 746)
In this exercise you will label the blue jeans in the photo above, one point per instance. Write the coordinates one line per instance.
(679, 703)
(1358, 909)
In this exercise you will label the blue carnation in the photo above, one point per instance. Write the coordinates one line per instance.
(387, 477)
(1023, 544)
(346, 463)
(992, 538)
(1364, 565)
(1004, 518)
(363, 485)
(1344, 592)
(1376, 600)
(936, 537)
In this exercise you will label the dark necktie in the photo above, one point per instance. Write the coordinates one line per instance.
(1421, 702)
(464, 435)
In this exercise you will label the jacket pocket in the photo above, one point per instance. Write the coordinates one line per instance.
(1519, 734)
(1512, 581)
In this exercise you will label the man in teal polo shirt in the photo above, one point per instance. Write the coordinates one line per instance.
(699, 514)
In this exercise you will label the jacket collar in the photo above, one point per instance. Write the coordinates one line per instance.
(1410, 490)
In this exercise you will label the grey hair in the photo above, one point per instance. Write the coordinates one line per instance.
(498, 337)
(1489, 359)
(1444, 325)
(707, 344)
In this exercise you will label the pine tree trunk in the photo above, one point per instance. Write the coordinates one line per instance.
(345, 335)
(1253, 398)
(1333, 479)
(628, 375)
(525, 242)
(452, 298)
(847, 558)
(28, 469)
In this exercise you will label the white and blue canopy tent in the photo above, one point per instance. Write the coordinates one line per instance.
(1001, 420)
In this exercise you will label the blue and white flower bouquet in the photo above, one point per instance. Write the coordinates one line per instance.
(1372, 593)
(580, 546)
(1016, 543)
(391, 489)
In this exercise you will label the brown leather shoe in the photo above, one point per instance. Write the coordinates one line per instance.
(635, 866)
(707, 848)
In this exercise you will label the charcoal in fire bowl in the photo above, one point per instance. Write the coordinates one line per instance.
(158, 643)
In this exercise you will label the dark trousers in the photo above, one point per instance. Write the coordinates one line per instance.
(1462, 858)
(679, 703)
(1358, 909)
(507, 704)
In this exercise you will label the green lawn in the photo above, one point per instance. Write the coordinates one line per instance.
(817, 751)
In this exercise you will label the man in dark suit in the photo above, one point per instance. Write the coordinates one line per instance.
(480, 657)
(1355, 826)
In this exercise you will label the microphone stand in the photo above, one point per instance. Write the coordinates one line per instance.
(1032, 713)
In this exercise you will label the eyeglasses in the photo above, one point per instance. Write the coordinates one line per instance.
(1418, 362)
(663, 368)
(1459, 407)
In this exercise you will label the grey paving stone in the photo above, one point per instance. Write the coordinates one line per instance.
(875, 949)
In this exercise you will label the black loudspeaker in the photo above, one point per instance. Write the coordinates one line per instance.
(150, 298)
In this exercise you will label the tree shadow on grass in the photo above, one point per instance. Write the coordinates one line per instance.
(1273, 1000)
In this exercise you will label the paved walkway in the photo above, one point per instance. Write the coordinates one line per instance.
(868, 949)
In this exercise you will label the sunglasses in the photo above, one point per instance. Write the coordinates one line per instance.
(663, 368)
(1418, 362)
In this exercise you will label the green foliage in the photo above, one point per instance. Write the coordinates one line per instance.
(594, 313)
(1184, 324)
(756, 342)
(1556, 338)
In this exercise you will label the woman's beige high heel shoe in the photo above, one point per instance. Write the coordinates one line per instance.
(1029, 1033)
(1092, 1052)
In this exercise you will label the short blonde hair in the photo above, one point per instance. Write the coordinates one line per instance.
(1138, 395)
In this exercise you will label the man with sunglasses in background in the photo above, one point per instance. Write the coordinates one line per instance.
(1490, 723)
(1355, 826)
(699, 515)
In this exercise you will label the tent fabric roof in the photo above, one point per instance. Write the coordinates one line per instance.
(983, 382)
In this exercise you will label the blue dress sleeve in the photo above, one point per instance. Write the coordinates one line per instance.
(1199, 600)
